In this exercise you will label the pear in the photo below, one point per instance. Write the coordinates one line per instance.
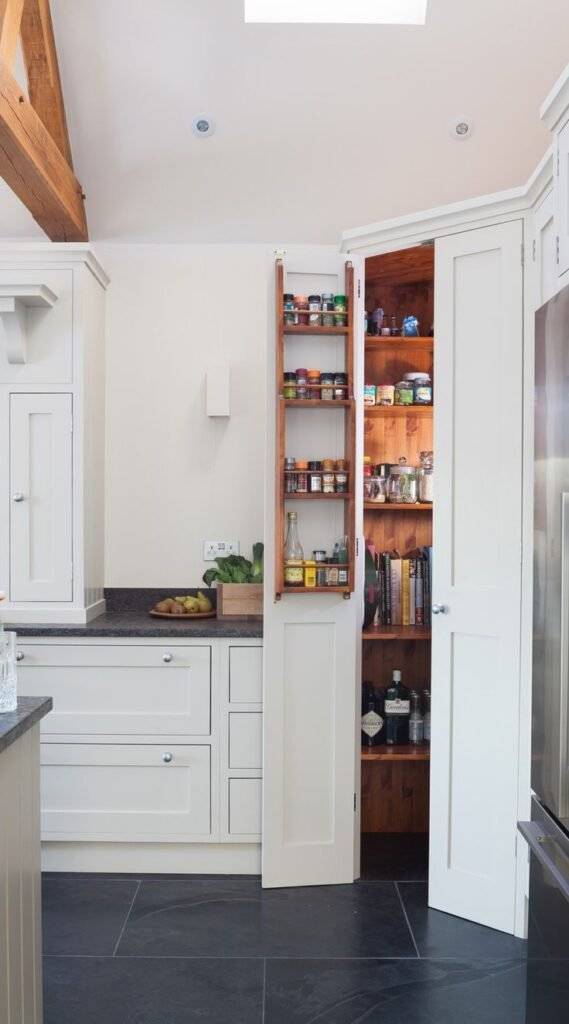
(191, 604)
(204, 602)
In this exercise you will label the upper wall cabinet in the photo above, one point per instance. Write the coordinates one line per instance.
(555, 114)
(544, 251)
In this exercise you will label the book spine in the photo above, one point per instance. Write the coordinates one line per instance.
(405, 593)
(396, 591)
(388, 610)
(412, 590)
(419, 591)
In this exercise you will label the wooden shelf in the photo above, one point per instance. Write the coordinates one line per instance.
(384, 633)
(319, 496)
(317, 590)
(396, 506)
(421, 752)
(398, 410)
(307, 329)
(318, 403)
(375, 343)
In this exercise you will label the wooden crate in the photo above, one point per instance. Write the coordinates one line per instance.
(240, 600)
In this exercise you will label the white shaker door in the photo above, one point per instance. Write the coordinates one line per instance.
(544, 252)
(41, 497)
(477, 574)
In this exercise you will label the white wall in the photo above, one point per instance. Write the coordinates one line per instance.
(174, 477)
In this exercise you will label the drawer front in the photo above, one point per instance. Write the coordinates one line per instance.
(245, 675)
(113, 690)
(245, 740)
(48, 331)
(245, 807)
(125, 793)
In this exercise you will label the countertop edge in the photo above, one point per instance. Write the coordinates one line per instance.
(14, 724)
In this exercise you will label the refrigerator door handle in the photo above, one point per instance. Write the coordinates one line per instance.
(564, 659)
(537, 841)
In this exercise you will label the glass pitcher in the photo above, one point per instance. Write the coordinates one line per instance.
(8, 688)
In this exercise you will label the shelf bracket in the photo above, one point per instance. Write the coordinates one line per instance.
(14, 302)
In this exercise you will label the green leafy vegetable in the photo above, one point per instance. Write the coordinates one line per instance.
(236, 569)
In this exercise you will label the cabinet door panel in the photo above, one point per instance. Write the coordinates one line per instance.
(125, 793)
(245, 675)
(41, 497)
(546, 279)
(477, 575)
(244, 807)
(245, 744)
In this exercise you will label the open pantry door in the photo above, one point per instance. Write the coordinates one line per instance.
(477, 573)
(312, 638)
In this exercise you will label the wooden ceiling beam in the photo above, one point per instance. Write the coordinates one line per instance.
(10, 19)
(42, 69)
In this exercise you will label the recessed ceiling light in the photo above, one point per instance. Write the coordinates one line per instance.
(461, 128)
(202, 125)
(362, 12)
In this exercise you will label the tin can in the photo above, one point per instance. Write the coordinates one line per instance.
(369, 394)
(385, 394)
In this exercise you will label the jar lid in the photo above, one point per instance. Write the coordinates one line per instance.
(327, 377)
(327, 295)
(315, 466)
(417, 376)
(313, 373)
(314, 298)
(288, 297)
(319, 556)
(341, 464)
(301, 372)
(367, 460)
(290, 462)
(340, 298)
(301, 298)
(328, 465)
(301, 464)
(404, 384)
(383, 468)
(341, 378)
(290, 375)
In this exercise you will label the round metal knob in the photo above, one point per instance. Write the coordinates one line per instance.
(17, 497)
(20, 656)
(439, 609)
(167, 657)
(167, 757)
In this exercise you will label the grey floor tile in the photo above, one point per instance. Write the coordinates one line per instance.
(91, 990)
(394, 992)
(236, 917)
(440, 935)
(85, 915)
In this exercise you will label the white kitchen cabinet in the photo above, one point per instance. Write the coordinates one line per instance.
(51, 432)
(245, 675)
(41, 545)
(562, 198)
(544, 250)
(245, 739)
(244, 807)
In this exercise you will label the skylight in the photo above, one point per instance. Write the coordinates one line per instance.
(358, 12)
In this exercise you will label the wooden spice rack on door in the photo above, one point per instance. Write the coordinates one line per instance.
(348, 406)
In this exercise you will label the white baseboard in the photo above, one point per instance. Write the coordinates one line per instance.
(153, 858)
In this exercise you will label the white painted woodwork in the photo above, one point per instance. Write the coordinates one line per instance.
(41, 551)
(562, 198)
(131, 690)
(544, 251)
(245, 675)
(36, 326)
(244, 807)
(14, 302)
(20, 883)
(218, 402)
(126, 793)
(477, 574)
(311, 642)
(245, 739)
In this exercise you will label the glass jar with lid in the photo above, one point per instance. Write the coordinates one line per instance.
(402, 487)
(425, 477)
(422, 388)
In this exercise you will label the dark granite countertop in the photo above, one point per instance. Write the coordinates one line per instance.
(14, 724)
(127, 615)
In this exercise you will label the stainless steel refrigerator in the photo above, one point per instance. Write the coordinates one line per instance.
(548, 831)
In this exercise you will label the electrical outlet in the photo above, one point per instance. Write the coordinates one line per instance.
(213, 549)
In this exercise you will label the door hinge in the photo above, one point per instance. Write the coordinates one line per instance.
(359, 288)
(357, 546)
(533, 249)
(557, 249)
(355, 802)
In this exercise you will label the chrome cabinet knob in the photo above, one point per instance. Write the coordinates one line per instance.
(439, 609)
(167, 757)
(20, 656)
(167, 657)
(17, 496)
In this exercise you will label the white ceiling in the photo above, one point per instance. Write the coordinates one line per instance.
(319, 128)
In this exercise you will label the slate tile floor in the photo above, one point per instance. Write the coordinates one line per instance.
(220, 950)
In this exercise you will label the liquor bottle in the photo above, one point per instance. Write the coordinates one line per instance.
(372, 720)
(293, 554)
(416, 720)
(427, 723)
(396, 710)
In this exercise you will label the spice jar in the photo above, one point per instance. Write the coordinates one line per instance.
(385, 394)
(314, 306)
(321, 568)
(301, 303)
(327, 389)
(402, 487)
(378, 489)
(341, 481)
(394, 330)
(368, 474)
(422, 388)
(340, 386)
(369, 394)
(327, 309)
(328, 465)
(290, 314)
(302, 383)
(327, 482)
(290, 476)
(385, 329)
(404, 393)
(313, 383)
(310, 574)
(301, 476)
(289, 387)
(340, 310)
(315, 477)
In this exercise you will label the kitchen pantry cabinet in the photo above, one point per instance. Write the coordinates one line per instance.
(52, 432)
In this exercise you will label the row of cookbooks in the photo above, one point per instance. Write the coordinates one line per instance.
(403, 587)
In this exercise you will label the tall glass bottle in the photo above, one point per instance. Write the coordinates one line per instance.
(293, 554)
(416, 720)
(427, 724)
(396, 709)
(372, 720)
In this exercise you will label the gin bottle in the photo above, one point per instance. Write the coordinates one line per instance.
(396, 709)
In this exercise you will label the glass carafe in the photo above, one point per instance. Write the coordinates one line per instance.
(8, 688)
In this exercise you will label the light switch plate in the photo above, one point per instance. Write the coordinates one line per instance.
(213, 549)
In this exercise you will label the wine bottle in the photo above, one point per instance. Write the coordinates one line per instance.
(372, 720)
(416, 720)
(293, 554)
(397, 709)
(427, 723)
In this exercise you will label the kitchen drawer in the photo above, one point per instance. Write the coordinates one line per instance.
(245, 739)
(244, 807)
(125, 792)
(120, 690)
(245, 675)
(48, 330)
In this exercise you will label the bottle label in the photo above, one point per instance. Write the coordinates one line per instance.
(372, 723)
(294, 574)
(397, 707)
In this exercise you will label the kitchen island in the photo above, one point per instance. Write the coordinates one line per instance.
(20, 875)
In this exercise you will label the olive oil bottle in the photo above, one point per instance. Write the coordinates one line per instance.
(293, 554)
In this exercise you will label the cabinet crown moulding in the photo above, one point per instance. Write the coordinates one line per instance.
(14, 301)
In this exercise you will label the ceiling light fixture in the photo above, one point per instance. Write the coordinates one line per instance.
(202, 126)
(461, 128)
(358, 12)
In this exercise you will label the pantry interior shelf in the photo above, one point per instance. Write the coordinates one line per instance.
(407, 752)
(308, 329)
(375, 343)
(398, 410)
(384, 633)
(397, 506)
(318, 403)
(318, 496)
(317, 590)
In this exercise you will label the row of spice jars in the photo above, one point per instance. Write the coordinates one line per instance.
(321, 571)
(311, 384)
(326, 310)
(414, 389)
(328, 476)
(399, 483)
